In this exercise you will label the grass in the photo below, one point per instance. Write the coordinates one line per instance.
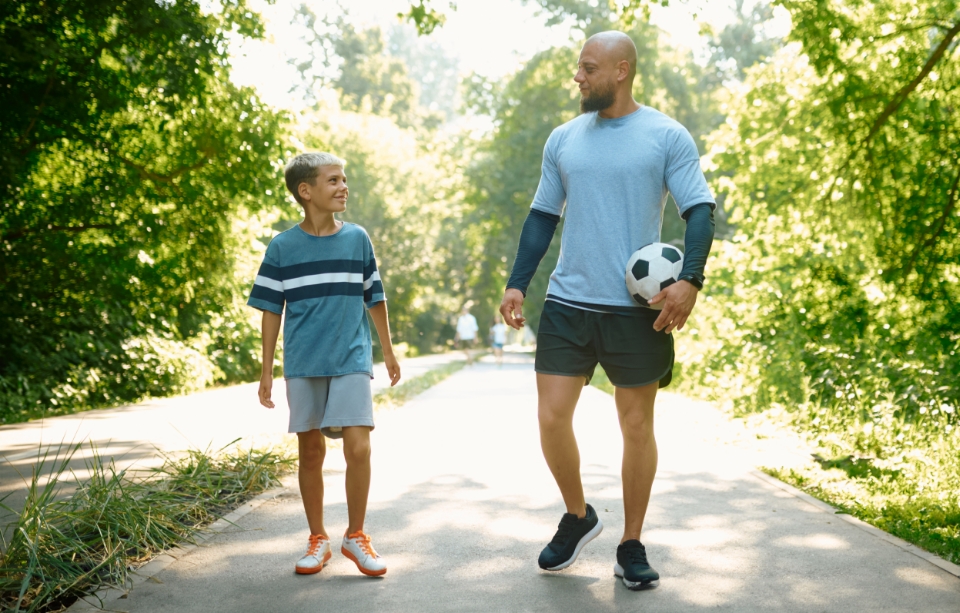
(393, 397)
(908, 487)
(63, 547)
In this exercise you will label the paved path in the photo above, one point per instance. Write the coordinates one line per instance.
(462, 503)
(133, 434)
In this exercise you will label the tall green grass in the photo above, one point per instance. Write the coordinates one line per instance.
(63, 547)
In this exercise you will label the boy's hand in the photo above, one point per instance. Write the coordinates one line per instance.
(266, 389)
(393, 368)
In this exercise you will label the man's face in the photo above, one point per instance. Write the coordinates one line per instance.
(329, 190)
(597, 79)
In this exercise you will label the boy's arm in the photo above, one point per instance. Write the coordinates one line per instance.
(270, 330)
(380, 321)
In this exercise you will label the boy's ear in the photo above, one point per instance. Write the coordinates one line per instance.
(304, 190)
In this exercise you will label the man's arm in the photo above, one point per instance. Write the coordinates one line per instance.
(681, 297)
(535, 237)
(270, 331)
(382, 323)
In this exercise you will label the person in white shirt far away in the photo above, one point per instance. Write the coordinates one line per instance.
(466, 336)
(498, 338)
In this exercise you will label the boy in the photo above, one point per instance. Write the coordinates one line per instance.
(324, 271)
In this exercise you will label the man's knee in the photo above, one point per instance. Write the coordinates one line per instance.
(637, 423)
(554, 418)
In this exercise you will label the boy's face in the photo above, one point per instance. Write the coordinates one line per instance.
(329, 190)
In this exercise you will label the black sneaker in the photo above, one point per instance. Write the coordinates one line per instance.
(572, 534)
(633, 568)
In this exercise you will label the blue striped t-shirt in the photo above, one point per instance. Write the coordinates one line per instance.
(325, 283)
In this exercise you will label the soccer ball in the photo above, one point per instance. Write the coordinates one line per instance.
(650, 270)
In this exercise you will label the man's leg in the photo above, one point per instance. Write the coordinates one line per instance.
(557, 399)
(356, 451)
(312, 451)
(635, 409)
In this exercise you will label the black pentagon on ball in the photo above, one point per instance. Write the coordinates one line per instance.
(665, 284)
(641, 269)
(641, 299)
(670, 254)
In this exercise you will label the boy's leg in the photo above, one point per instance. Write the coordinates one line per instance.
(635, 409)
(356, 451)
(312, 451)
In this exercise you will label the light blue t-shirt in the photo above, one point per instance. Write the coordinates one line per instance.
(325, 282)
(614, 176)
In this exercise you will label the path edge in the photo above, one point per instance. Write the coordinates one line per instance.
(934, 559)
(101, 599)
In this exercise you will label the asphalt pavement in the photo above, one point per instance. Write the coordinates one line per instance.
(462, 503)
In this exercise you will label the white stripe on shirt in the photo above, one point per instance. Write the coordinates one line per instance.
(269, 283)
(369, 282)
(329, 277)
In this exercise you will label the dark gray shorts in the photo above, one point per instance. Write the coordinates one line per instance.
(329, 404)
(572, 341)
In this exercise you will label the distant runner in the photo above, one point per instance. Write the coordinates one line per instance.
(609, 171)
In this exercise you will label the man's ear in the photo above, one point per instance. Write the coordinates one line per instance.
(623, 70)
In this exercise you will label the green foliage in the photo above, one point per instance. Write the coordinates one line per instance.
(62, 548)
(823, 288)
(423, 17)
(127, 154)
(835, 304)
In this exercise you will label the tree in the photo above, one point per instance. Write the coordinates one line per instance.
(841, 285)
(126, 155)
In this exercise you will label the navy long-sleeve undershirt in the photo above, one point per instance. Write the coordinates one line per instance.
(539, 227)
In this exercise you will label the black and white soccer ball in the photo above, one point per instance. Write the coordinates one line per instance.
(650, 270)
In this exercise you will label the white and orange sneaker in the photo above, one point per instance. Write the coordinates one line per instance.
(318, 554)
(357, 547)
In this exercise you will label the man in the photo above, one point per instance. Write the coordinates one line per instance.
(609, 171)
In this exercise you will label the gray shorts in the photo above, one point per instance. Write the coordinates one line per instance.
(329, 404)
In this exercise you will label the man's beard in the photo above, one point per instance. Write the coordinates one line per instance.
(599, 99)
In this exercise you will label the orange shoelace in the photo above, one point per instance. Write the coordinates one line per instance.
(315, 540)
(364, 541)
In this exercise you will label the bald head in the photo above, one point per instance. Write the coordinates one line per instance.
(614, 47)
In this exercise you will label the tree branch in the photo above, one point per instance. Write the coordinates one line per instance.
(17, 234)
(894, 105)
(148, 174)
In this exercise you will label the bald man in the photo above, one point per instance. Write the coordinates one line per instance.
(609, 171)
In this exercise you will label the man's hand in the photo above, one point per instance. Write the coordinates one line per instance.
(512, 308)
(393, 368)
(266, 389)
(678, 300)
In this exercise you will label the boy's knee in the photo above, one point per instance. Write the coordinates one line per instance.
(357, 451)
(312, 455)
